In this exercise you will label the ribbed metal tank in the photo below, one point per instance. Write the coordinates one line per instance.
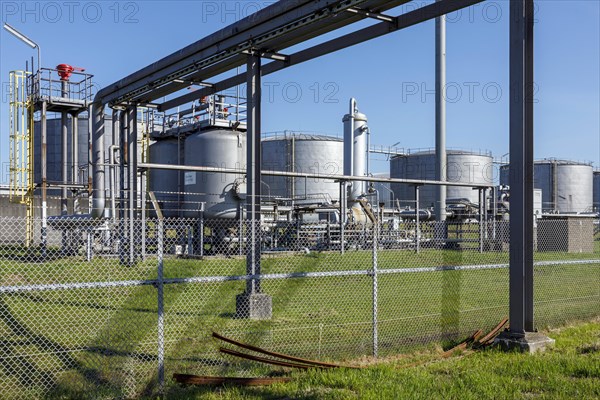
(463, 166)
(567, 186)
(54, 148)
(597, 190)
(302, 152)
(215, 148)
(167, 185)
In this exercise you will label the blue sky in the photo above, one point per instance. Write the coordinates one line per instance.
(391, 77)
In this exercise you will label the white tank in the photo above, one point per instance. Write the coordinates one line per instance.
(462, 166)
(567, 186)
(597, 190)
(301, 152)
(219, 193)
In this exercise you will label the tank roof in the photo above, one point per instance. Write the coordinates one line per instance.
(562, 162)
(288, 135)
(449, 151)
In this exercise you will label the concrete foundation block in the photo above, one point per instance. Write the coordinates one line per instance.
(531, 342)
(257, 306)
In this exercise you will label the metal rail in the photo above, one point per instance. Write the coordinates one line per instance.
(227, 380)
(278, 355)
(209, 279)
(267, 360)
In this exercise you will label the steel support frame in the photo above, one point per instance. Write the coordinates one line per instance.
(363, 35)
(521, 168)
(253, 169)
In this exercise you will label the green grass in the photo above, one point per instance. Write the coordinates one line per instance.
(571, 370)
(90, 343)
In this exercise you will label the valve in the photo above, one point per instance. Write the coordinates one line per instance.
(65, 71)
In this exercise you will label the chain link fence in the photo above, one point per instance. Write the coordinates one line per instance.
(113, 308)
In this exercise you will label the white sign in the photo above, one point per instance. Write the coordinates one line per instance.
(190, 178)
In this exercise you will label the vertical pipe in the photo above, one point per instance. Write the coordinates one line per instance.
(123, 184)
(440, 116)
(112, 180)
(75, 157)
(253, 177)
(241, 229)
(44, 167)
(132, 172)
(116, 117)
(343, 198)
(98, 193)
(417, 220)
(161, 317)
(201, 240)
(481, 219)
(375, 292)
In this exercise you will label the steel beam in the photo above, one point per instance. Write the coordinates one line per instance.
(403, 21)
(440, 116)
(255, 31)
(253, 175)
(521, 167)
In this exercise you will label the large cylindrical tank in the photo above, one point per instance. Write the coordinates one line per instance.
(219, 193)
(462, 166)
(54, 148)
(307, 153)
(167, 185)
(567, 186)
(596, 190)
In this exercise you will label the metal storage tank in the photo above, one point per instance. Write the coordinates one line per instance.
(567, 186)
(54, 148)
(167, 185)
(302, 152)
(220, 193)
(462, 166)
(596, 190)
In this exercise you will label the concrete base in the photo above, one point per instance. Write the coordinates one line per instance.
(253, 306)
(530, 343)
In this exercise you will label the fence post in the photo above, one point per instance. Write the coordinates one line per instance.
(161, 328)
(375, 300)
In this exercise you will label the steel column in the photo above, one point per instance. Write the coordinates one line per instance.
(253, 172)
(440, 115)
(132, 172)
(44, 167)
(521, 167)
(64, 120)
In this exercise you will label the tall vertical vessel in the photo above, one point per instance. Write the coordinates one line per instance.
(355, 149)
(216, 194)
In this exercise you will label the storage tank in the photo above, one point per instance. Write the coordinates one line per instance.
(302, 152)
(567, 186)
(167, 185)
(462, 166)
(54, 148)
(220, 193)
(596, 190)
